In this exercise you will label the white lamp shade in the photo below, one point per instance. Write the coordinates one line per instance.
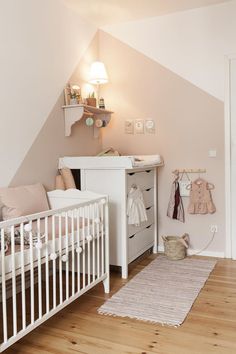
(98, 74)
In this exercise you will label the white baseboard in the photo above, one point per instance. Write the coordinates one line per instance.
(204, 253)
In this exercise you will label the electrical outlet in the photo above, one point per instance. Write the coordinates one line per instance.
(214, 228)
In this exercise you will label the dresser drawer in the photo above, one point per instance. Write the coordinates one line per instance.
(132, 229)
(132, 248)
(148, 196)
(140, 242)
(143, 179)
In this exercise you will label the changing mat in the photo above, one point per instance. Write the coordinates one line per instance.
(107, 162)
(146, 160)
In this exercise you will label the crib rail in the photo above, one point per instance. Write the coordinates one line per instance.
(47, 260)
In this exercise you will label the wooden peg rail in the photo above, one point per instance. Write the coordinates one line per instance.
(190, 170)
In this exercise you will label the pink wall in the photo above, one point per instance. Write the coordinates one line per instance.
(42, 41)
(41, 161)
(189, 122)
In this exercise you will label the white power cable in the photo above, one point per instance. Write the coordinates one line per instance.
(207, 245)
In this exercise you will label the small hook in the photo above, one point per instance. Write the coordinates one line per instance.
(176, 173)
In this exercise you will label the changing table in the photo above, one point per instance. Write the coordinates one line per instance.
(114, 176)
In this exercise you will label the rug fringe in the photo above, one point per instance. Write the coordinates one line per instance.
(106, 313)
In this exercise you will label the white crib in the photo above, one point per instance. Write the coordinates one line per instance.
(67, 253)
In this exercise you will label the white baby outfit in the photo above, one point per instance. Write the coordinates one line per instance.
(136, 210)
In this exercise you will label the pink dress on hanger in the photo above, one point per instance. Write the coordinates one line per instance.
(200, 198)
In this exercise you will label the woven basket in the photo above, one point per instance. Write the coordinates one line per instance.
(175, 247)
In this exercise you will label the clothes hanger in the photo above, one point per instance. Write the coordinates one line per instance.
(199, 180)
(176, 174)
(184, 172)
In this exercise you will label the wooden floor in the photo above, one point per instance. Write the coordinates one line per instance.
(209, 328)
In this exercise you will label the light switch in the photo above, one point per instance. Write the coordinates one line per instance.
(212, 153)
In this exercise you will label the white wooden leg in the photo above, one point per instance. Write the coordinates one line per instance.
(124, 272)
(106, 284)
(155, 246)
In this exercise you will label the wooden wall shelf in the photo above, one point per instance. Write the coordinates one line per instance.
(73, 114)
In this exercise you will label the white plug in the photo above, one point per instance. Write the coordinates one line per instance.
(214, 228)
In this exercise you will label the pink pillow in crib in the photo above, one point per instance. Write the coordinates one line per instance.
(23, 200)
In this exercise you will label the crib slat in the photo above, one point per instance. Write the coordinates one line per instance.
(107, 265)
(54, 275)
(83, 231)
(93, 235)
(78, 248)
(22, 276)
(39, 269)
(4, 303)
(102, 238)
(31, 275)
(67, 263)
(60, 261)
(73, 253)
(98, 241)
(89, 242)
(14, 303)
(47, 266)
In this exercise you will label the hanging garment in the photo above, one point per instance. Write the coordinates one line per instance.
(200, 198)
(136, 210)
(175, 207)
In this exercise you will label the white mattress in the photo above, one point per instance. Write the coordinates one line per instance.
(47, 248)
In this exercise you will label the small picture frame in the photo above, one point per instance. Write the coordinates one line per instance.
(72, 94)
(139, 126)
(67, 95)
(129, 126)
(150, 126)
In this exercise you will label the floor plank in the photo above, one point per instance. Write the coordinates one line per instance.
(209, 328)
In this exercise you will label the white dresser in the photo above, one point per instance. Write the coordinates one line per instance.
(127, 242)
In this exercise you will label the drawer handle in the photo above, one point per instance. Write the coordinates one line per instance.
(148, 189)
(148, 208)
(148, 227)
(132, 236)
(148, 171)
(131, 173)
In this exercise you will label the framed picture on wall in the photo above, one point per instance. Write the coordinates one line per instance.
(67, 93)
(139, 126)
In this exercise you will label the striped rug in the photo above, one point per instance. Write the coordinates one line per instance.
(163, 292)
